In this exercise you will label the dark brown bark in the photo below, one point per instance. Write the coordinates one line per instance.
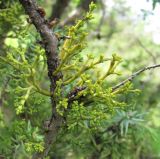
(50, 45)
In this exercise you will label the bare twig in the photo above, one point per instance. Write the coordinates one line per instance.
(71, 96)
(130, 78)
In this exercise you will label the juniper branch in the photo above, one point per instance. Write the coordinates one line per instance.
(72, 95)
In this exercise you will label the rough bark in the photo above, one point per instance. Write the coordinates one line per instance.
(50, 45)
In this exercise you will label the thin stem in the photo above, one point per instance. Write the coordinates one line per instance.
(130, 78)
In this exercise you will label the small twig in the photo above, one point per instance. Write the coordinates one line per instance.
(130, 78)
(72, 95)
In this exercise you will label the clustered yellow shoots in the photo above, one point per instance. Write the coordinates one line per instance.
(76, 70)
(75, 67)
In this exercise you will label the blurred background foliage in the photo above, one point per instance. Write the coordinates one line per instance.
(132, 133)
